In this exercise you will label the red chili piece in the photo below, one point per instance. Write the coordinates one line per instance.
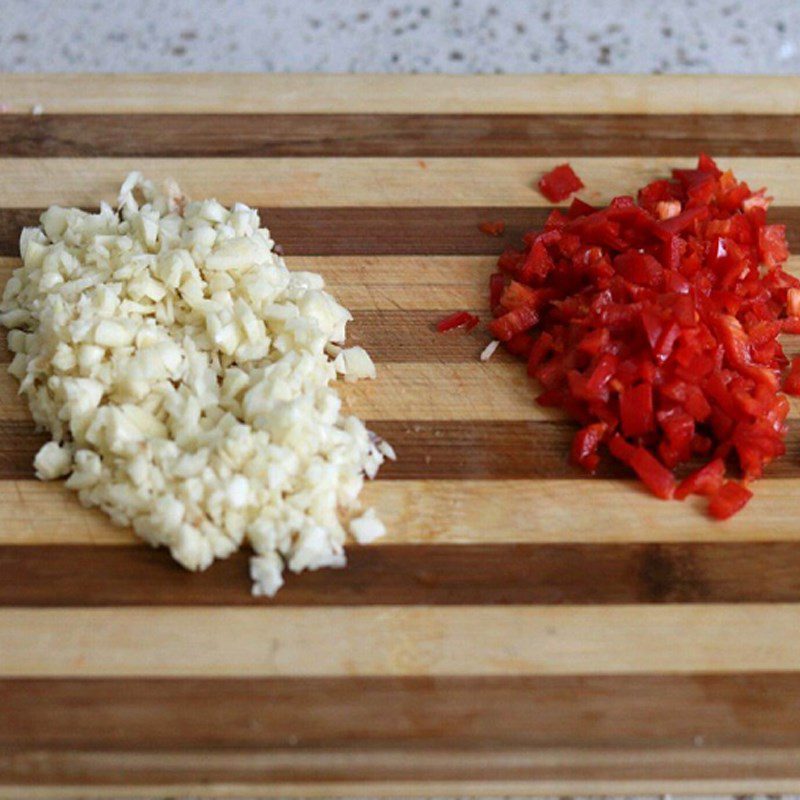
(792, 383)
(654, 323)
(496, 228)
(585, 444)
(707, 480)
(559, 183)
(458, 320)
(729, 500)
(497, 283)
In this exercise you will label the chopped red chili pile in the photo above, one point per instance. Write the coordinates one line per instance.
(559, 183)
(654, 324)
(495, 228)
(460, 319)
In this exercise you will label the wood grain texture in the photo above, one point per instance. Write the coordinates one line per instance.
(360, 181)
(439, 450)
(486, 512)
(523, 627)
(429, 94)
(395, 284)
(420, 135)
(741, 710)
(371, 231)
(417, 574)
(398, 641)
(356, 230)
(497, 390)
(604, 772)
(405, 391)
(384, 283)
(395, 335)
(607, 774)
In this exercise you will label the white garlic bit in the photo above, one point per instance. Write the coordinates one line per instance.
(52, 461)
(367, 528)
(489, 350)
(185, 376)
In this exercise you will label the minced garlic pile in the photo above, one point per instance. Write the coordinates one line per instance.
(184, 374)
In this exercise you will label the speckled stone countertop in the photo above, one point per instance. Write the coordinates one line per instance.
(395, 36)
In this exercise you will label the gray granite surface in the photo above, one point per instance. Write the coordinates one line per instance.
(395, 36)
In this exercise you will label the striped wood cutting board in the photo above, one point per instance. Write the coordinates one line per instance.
(523, 628)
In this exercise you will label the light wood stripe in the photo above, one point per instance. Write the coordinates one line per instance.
(497, 390)
(339, 182)
(393, 283)
(399, 271)
(737, 783)
(602, 785)
(48, 513)
(372, 94)
(434, 297)
(394, 334)
(405, 391)
(460, 512)
(397, 641)
(418, 135)
(380, 270)
(395, 271)
(386, 283)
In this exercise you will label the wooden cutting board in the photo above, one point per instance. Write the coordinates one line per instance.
(523, 628)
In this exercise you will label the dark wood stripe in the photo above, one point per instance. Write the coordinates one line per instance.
(424, 135)
(436, 450)
(383, 231)
(478, 450)
(509, 450)
(578, 574)
(546, 729)
(649, 711)
(357, 230)
(19, 443)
